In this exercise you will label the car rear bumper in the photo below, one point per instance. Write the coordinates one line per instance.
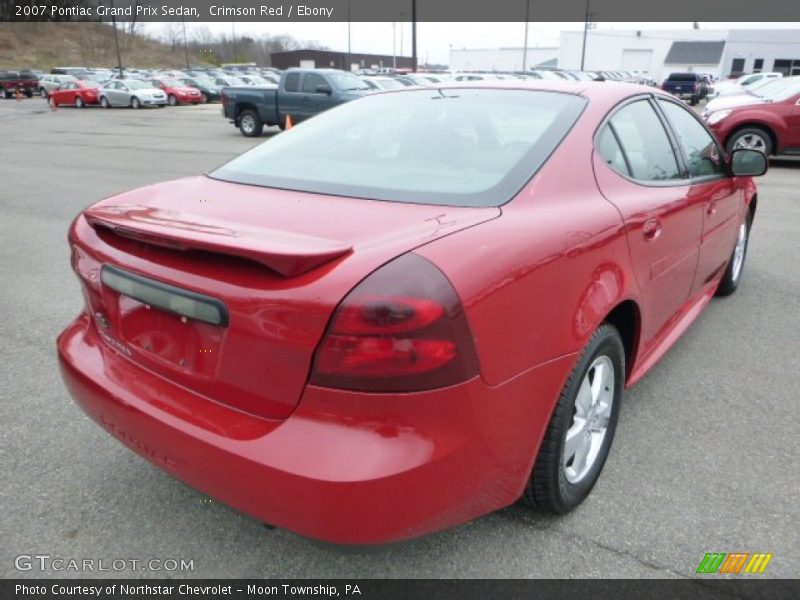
(346, 467)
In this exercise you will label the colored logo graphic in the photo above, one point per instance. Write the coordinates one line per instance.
(734, 563)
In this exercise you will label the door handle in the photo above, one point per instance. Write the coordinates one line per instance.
(651, 229)
(712, 208)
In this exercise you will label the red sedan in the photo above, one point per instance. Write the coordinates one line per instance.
(177, 92)
(75, 93)
(771, 126)
(411, 310)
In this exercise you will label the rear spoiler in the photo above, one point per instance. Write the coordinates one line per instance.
(289, 254)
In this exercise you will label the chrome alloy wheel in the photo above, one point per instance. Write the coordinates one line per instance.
(738, 252)
(248, 124)
(590, 422)
(751, 141)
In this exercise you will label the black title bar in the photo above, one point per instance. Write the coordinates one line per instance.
(400, 10)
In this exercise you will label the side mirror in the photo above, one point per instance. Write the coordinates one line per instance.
(324, 89)
(746, 162)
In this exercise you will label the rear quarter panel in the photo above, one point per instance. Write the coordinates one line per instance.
(536, 282)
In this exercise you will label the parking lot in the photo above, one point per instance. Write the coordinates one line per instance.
(703, 459)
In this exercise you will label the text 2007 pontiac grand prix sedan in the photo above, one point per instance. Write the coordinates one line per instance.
(412, 310)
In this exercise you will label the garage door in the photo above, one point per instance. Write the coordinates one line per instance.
(637, 60)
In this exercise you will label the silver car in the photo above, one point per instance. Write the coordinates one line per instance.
(131, 92)
(48, 83)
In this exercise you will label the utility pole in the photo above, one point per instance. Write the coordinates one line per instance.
(525, 47)
(185, 44)
(349, 49)
(394, 44)
(585, 32)
(116, 41)
(233, 40)
(414, 36)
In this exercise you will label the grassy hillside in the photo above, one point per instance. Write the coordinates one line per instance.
(47, 45)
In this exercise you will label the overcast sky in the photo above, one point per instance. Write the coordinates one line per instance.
(435, 39)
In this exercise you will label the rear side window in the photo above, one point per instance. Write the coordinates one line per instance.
(645, 143)
(701, 151)
(312, 81)
(292, 82)
(609, 149)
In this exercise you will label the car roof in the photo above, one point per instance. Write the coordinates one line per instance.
(605, 90)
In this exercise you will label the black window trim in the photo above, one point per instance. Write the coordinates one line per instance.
(684, 158)
(683, 181)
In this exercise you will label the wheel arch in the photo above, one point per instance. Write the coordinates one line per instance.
(241, 107)
(626, 317)
(768, 128)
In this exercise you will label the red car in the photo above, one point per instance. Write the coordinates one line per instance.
(177, 92)
(77, 93)
(771, 126)
(411, 310)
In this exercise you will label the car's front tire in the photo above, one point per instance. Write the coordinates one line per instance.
(173, 101)
(751, 138)
(581, 427)
(43, 93)
(733, 272)
(104, 102)
(135, 103)
(79, 103)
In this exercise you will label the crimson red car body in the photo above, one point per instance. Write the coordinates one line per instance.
(245, 412)
(183, 94)
(780, 120)
(69, 93)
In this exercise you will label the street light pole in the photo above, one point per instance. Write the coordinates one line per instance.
(414, 36)
(525, 47)
(349, 49)
(585, 32)
(394, 44)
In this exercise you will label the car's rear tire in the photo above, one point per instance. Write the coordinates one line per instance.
(753, 138)
(250, 124)
(581, 427)
(693, 101)
(104, 102)
(733, 272)
(135, 103)
(79, 103)
(203, 99)
(43, 93)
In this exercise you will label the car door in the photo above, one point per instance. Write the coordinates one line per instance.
(793, 126)
(720, 195)
(639, 171)
(290, 97)
(313, 100)
(122, 94)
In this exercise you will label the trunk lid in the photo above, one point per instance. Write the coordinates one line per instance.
(276, 262)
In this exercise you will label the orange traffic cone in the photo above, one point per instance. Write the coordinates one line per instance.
(289, 123)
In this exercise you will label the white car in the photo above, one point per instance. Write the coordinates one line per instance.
(131, 92)
(737, 86)
(751, 95)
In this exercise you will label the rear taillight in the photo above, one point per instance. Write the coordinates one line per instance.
(402, 329)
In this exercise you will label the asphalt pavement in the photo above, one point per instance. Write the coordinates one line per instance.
(703, 459)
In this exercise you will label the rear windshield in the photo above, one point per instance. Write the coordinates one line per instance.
(457, 147)
(683, 77)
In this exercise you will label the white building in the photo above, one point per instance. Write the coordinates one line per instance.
(500, 59)
(659, 52)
